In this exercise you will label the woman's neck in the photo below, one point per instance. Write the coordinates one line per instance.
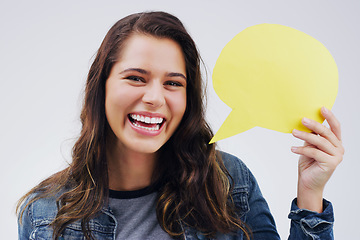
(129, 170)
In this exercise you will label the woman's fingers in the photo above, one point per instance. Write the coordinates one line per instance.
(324, 143)
(312, 152)
(323, 131)
(333, 122)
(316, 140)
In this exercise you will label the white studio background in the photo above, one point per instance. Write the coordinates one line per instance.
(46, 50)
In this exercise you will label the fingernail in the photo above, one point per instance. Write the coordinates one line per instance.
(306, 121)
(296, 132)
(325, 110)
(293, 149)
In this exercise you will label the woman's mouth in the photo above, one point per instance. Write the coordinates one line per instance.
(146, 122)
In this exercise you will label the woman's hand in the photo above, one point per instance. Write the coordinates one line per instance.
(320, 155)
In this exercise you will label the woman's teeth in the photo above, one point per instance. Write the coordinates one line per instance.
(154, 121)
(147, 120)
(155, 128)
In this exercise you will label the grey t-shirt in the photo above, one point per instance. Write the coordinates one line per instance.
(135, 212)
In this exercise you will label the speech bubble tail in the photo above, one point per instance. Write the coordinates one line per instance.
(233, 124)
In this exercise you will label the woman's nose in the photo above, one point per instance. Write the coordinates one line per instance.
(153, 95)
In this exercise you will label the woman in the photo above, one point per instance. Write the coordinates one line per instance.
(142, 167)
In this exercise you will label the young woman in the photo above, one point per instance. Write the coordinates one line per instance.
(142, 167)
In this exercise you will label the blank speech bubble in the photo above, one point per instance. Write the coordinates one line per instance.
(272, 76)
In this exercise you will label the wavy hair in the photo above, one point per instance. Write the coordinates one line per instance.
(196, 185)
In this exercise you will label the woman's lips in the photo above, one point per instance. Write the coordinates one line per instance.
(147, 124)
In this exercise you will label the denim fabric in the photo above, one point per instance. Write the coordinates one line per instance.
(251, 208)
(311, 224)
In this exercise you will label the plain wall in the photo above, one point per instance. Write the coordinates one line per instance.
(46, 50)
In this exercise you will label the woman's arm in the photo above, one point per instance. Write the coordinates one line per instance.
(311, 216)
(320, 155)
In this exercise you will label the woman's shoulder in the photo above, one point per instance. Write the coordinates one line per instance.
(35, 214)
(232, 161)
(40, 210)
(237, 169)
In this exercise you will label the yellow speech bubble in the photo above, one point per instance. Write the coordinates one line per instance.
(271, 76)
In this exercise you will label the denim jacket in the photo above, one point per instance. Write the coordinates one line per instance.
(251, 206)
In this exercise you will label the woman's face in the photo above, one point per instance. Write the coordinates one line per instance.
(146, 93)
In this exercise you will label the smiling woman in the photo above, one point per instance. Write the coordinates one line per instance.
(142, 167)
(147, 82)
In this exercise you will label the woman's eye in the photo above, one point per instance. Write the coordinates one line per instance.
(174, 84)
(135, 78)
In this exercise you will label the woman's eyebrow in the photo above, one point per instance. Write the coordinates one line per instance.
(139, 70)
(175, 74)
(143, 71)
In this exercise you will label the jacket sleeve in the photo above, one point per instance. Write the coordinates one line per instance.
(310, 225)
(255, 212)
(305, 224)
(259, 218)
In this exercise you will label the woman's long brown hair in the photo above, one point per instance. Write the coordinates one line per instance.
(196, 185)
